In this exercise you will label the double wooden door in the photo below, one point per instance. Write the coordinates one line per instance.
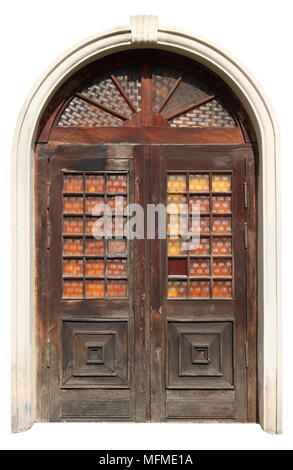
(153, 328)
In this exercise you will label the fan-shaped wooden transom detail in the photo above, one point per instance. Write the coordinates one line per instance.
(146, 94)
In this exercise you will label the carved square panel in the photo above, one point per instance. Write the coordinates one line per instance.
(200, 355)
(95, 354)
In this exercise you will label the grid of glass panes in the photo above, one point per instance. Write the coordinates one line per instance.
(200, 269)
(95, 267)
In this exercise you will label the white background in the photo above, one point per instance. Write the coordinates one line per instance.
(33, 34)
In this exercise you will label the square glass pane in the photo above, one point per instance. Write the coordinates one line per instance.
(117, 247)
(201, 248)
(176, 183)
(199, 267)
(177, 225)
(177, 289)
(73, 246)
(73, 184)
(201, 225)
(222, 289)
(117, 184)
(72, 267)
(117, 267)
(95, 247)
(199, 183)
(176, 246)
(199, 289)
(73, 226)
(73, 289)
(177, 267)
(176, 204)
(116, 226)
(73, 205)
(94, 205)
(95, 268)
(117, 205)
(221, 182)
(95, 184)
(117, 289)
(221, 204)
(222, 246)
(222, 225)
(95, 289)
(222, 267)
(199, 204)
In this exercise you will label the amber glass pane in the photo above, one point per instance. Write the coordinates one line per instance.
(175, 202)
(222, 267)
(201, 203)
(200, 226)
(117, 205)
(94, 205)
(222, 246)
(177, 267)
(221, 183)
(176, 246)
(222, 289)
(176, 183)
(117, 289)
(73, 184)
(222, 225)
(73, 226)
(177, 225)
(117, 184)
(199, 289)
(95, 289)
(95, 184)
(177, 289)
(199, 267)
(73, 289)
(201, 248)
(73, 246)
(199, 182)
(116, 247)
(95, 268)
(116, 226)
(72, 268)
(95, 247)
(117, 267)
(73, 205)
(221, 204)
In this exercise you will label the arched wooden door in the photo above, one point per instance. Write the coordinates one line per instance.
(149, 329)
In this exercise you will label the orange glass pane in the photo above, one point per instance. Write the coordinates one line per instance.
(116, 226)
(221, 183)
(73, 289)
(199, 183)
(201, 225)
(201, 248)
(222, 225)
(176, 246)
(72, 268)
(117, 205)
(222, 267)
(199, 289)
(176, 183)
(116, 247)
(222, 246)
(221, 204)
(199, 267)
(73, 226)
(73, 184)
(201, 202)
(117, 184)
(117, 289)
(175, 203)
(117, 267)
(73, 246)
(222, 289)
(95, 289)
(73, 205)
(177, 224)
(94, 205)
(95, 184)
(95, 268)
(94, 226)
(176, 289)
(95, 247)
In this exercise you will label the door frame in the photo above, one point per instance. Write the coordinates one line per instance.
(144, 31)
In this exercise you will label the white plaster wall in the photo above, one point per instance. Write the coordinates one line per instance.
(254, 49)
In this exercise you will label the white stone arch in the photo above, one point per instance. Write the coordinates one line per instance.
(145, 32)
